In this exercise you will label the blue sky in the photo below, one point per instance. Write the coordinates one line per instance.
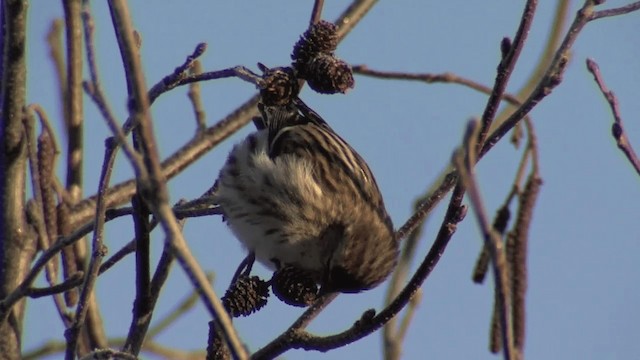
(585, 236)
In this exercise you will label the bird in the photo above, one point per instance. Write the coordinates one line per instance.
(296, 194)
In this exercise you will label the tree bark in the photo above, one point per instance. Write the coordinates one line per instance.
(16, 242)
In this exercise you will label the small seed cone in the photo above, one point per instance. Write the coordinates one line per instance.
(321, 37)
(327, 74)
(246, 296)
(294, 286)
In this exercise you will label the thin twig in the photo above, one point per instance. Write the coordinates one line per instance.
(129, 248)
(20, 292)
(98, 252)
(544, 59)
(352, 15)
(107, 354)
(240, 72)
(199, 212)
(46, 124)
(172, 80)
(74, 117)
(505, 68)
(34, 217)
(408, 316)
(94, 88)
(316, 13)
(195, 208)
(54, 40)
(279, 344)
(465, 162)
(615, 11)
(244, 268)
(153, 187)
(427, 205)
(70, 263)
(445, 78)
(551, 79)
(143, 305)
(198, 278)
(390, 331)
(196, 99)
(617, 129)
(72, 281)
(73, 99)
(149, 348)
(502, 215)
(180, 309)
(142, 317)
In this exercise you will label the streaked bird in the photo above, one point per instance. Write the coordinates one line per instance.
(295, 193)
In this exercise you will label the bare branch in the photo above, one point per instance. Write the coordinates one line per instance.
(446, 78)
(180, 309)
(427, 205)
(196, 99)
(34, 216)
(393, 344)
(94, 90)
(142, 306)
(142, 315)
(73, 98)
(505, 68)
(617, 129)
(465, 162)
(352, 15)
(172, 80)
(283, 342)
(615, 11)
(56, 52)
(153, 188)
(98, 252)
(316, 13)
(17, 241)
(72, 281)
(551, 79)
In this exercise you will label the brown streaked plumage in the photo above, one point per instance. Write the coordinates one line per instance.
(296, 194)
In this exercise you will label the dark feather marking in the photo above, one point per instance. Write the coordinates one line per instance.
(253, 143)
(233, 172)
(277, 215)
